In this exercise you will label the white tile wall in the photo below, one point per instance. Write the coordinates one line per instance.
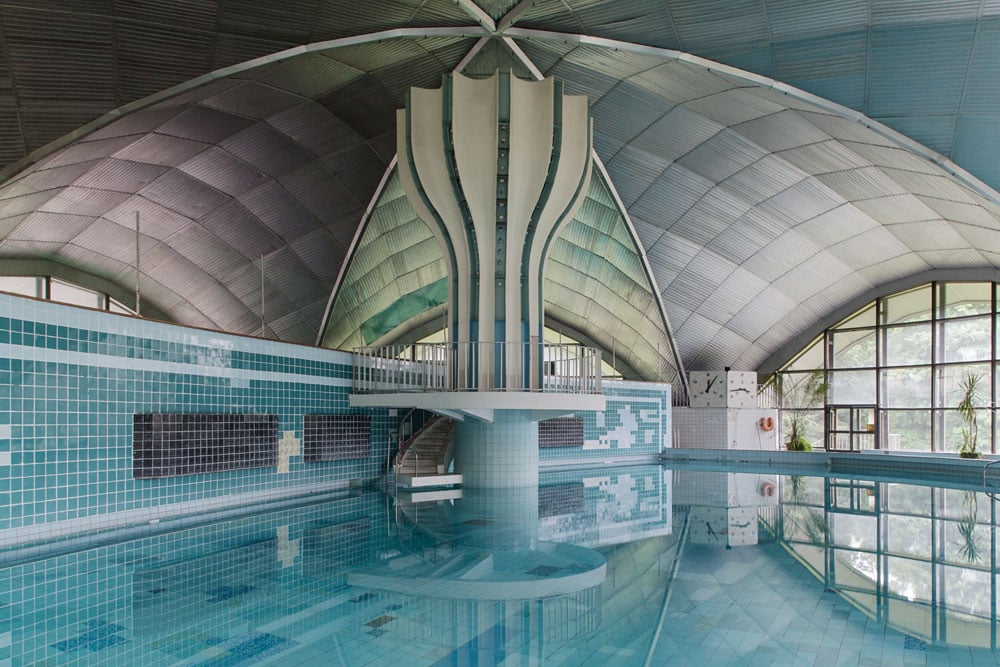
(723, 428)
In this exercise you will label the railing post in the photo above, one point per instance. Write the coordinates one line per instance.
(597, 371)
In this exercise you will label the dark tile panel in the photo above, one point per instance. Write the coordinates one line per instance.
(560, 499)
(336, 437)
(561, 432)
(168, 445)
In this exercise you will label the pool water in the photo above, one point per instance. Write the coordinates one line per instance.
(623, 566)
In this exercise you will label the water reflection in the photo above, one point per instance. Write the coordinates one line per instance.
(919, 559)
(628, 563)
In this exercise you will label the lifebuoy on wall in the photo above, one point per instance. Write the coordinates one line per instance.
(767, 489)
(767, 423)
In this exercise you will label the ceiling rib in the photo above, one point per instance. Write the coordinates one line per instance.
(473, 52)
(523, 57)
(362, 224)
(476, 12)
(641, 251)
(511, 17)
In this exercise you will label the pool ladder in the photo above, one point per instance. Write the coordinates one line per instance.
(991, 494)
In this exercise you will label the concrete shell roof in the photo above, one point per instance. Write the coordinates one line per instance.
(855, 153)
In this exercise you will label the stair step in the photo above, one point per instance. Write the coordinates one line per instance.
(426, 449)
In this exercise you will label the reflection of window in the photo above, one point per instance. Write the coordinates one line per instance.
(921, 554)
(53, 289)
(908, 353)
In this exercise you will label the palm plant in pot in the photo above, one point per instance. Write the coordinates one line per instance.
(797, 401)
(970, 387)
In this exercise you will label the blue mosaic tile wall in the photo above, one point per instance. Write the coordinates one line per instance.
(71, 380)
(636, 422)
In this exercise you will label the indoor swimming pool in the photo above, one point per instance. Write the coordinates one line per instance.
(621, 566)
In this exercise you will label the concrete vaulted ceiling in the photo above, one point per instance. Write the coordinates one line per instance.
(801, 159)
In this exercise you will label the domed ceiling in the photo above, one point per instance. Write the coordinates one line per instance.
(779, 162)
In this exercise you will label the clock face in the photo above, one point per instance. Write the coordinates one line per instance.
(741, 388)
(708, 389)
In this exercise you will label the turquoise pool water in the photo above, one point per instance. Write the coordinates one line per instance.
(624, 566)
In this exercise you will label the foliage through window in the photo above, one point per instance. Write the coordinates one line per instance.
(907, 353)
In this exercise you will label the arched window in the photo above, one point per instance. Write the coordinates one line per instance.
(54, 289)
(909, 354)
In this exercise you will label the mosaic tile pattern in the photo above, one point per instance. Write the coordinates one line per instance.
(636, 422)
(71, 380)
(559, 499)
(613, 504)
(217, 594)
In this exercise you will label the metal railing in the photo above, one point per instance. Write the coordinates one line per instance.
(477, 366)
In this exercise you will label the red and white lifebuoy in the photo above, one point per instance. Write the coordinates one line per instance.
(767, 424)
(767, 489)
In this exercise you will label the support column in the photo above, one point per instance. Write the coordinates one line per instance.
(495, 167)
(503, 454)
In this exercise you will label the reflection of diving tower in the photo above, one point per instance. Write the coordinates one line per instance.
(494, 167)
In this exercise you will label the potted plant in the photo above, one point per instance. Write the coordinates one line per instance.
(970, 386)
(796, 402)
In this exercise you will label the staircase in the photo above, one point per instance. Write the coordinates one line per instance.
(425, 458)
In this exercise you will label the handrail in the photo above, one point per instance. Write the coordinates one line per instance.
(477, 366)
(404, 445)
(986, 467)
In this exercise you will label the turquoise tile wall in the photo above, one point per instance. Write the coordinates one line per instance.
(636, 422)
(71, 380)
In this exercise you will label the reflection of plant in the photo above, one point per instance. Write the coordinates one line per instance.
(812, 520)
(968, 548)
(796, 484)
(796, 400)
(816, 527)
(970, 386)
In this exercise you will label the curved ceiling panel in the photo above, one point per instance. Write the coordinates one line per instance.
(596, 285)
(265, 172)
(762, 209)
(761, 214)
(383, 297)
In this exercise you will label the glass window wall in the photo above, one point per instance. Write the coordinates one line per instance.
(913, 354)
(53, 289)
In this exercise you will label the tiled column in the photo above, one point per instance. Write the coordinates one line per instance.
(497, 455)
